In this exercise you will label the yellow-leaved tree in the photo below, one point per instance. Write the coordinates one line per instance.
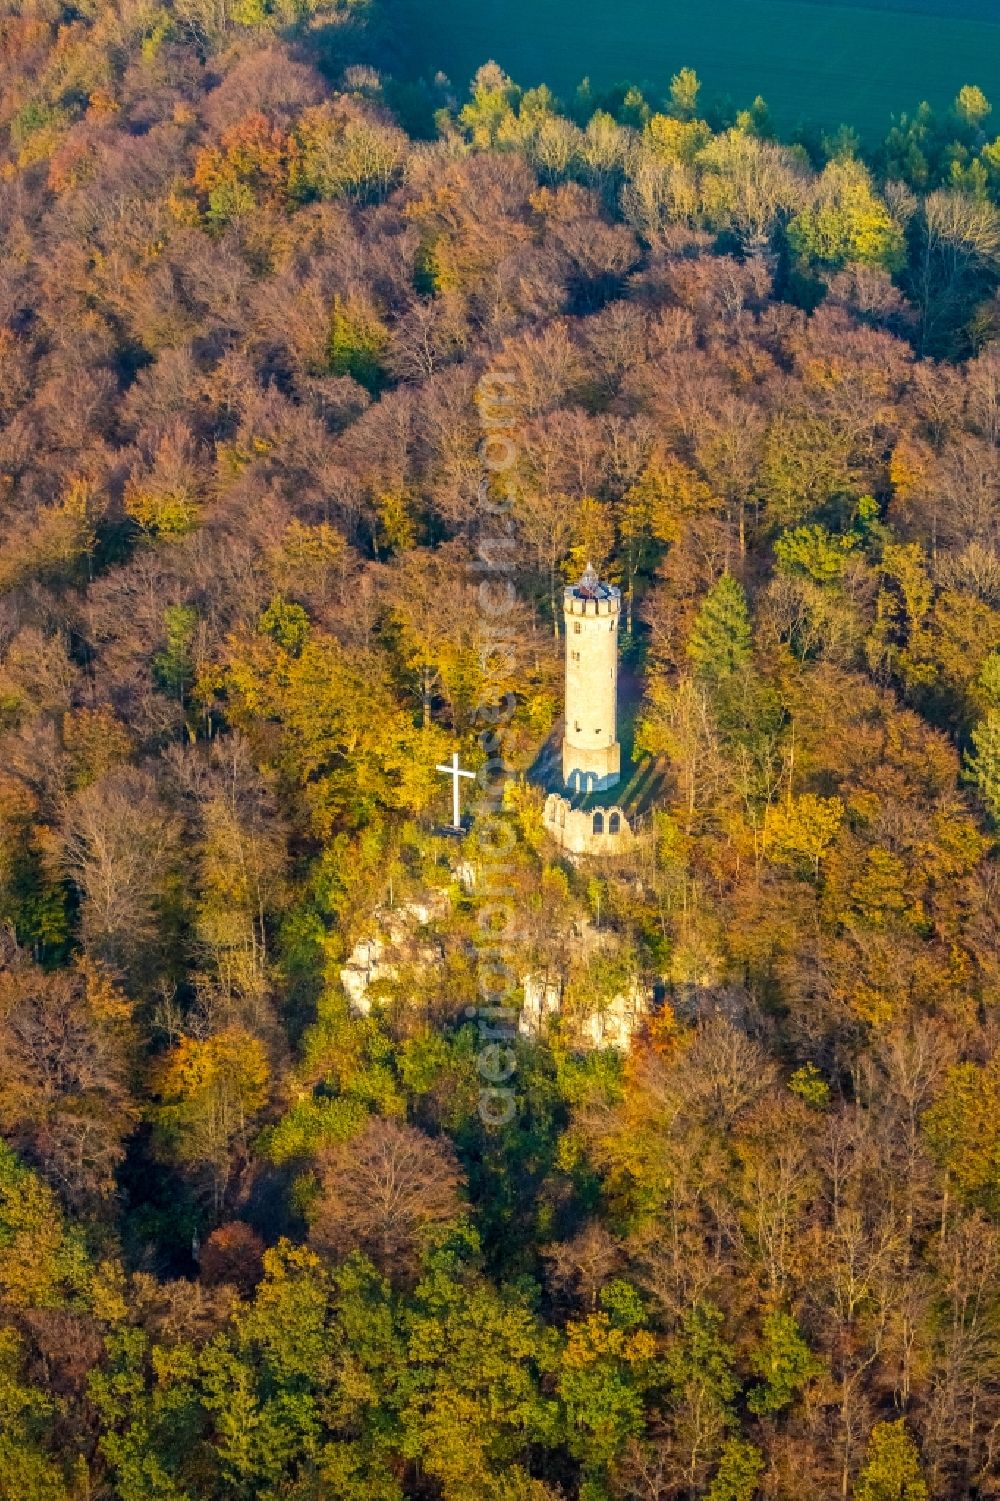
(210, 1091)
(802, 830)
(847, 221)
(342, 740)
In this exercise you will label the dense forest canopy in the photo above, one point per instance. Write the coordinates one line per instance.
(256, 304)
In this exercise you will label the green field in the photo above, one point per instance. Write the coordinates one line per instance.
(814, 61)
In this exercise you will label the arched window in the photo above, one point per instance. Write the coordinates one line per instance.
(598, 823)
(614, 823)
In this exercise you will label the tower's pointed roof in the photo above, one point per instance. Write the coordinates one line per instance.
(590, 586)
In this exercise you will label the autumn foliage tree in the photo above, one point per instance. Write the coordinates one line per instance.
(384, 1192)
(300, 368)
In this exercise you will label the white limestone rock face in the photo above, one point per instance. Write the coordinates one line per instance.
(542, 1000)
(400, 939)
(365, 967)
(362, 969)
(614, 1025)
(397, 940)
(610, 1026)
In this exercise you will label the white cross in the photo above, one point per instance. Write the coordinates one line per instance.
(455, 771)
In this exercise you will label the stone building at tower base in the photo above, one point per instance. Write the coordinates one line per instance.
(587, 831)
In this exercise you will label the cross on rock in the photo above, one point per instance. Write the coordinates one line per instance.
(455, 772)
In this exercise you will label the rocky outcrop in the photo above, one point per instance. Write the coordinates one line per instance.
(401, 937)
(541, 1005)
(612, 1025)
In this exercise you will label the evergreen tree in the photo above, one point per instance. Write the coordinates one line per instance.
(721, 641)
(984, 762)
(174, 665)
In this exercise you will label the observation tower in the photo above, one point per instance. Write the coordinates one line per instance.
(591, 753)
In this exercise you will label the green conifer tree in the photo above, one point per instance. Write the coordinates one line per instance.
(174, 666)
(984, 761)
(721, 641)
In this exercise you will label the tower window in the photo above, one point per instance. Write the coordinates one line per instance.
(598, 823)
(577, 628)
(597, 732)
(576, 726)
(614, 824)
(576, 656)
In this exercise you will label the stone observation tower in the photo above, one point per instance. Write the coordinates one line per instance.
(591, 754)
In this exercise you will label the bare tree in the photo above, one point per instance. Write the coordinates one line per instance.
(64, 1097)
(578, 1268)
(383, 1191)
(117, 839)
